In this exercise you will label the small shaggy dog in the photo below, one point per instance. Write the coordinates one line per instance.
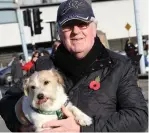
(44, 99)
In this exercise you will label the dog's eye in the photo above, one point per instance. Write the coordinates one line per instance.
(46, 82)
(33, 87)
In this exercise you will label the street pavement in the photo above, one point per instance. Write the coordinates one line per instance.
(143, 83)
(3, 127)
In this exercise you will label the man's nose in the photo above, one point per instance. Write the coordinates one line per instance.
(40, 96)
(76, 29)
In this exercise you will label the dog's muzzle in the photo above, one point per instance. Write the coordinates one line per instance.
(41, 98)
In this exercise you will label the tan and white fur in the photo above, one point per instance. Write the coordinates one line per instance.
(50, 84)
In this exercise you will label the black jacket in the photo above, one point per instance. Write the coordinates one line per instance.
(118, 105)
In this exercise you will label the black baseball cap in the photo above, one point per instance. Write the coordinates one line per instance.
(74, 9)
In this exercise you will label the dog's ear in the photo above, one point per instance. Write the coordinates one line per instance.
(25, 86)
(58, 76)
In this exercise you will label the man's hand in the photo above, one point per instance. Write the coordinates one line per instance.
(65, 125)
(27, 128)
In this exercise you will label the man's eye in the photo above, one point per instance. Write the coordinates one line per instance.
(33, 87)
(82, 25)
(46, 82)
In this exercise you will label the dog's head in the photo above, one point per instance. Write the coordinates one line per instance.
(44, 89)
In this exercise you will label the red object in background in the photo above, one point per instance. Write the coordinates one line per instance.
(28, 66)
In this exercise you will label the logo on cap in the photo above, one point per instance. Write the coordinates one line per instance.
(72, 4)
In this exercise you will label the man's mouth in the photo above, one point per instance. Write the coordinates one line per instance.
(41, 101)
(76, 39)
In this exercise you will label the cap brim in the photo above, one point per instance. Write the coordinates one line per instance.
(87, 20)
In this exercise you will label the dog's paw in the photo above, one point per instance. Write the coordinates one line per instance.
(83, 119)
(80, 117)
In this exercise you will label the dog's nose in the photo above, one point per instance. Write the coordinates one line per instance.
(40, 96)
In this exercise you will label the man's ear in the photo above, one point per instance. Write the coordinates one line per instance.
(95, 29)
(60, 34)
(25, 86)
(58, 30)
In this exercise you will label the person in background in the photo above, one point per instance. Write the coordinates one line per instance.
(44, 52)
(146, 50)
(130, 49)
(43, 63)
(98, 81)
(55, 46)
(16, 70)
(22, 60)
(27, 66)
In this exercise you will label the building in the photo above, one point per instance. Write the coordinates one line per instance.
(112, 16)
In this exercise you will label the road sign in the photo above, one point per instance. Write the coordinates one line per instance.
(128, 26)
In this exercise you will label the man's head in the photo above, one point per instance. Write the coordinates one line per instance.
(15, 55)
(76, 26)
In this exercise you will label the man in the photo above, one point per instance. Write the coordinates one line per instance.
(98, 81)
(130, 49)
(16, 70)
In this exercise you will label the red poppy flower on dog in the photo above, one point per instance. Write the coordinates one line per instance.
(95, 84)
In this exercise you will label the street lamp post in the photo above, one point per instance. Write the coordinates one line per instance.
(139, 35)
(22, 35)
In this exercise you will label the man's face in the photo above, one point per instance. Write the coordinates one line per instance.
(78, 37)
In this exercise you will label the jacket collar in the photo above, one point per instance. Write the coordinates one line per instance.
(96, 59)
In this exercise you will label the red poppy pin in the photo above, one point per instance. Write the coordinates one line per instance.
(95, 84)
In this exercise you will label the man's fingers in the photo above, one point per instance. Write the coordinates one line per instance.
(27, 129)
(67, 112)
(58, 129)
(58, 123)
(53, 123)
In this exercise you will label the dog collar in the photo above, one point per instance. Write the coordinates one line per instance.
(59, 113)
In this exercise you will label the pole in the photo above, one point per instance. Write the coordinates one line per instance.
(22, 35)
(32, 37)
(139, 35)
